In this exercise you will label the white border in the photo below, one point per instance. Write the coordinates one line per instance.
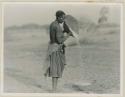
(121, 52)
(57, 2)
(63, 94)
(2, 51)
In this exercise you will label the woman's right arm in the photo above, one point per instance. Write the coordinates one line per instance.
(52, 33)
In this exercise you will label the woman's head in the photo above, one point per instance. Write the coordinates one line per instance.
(60, 16)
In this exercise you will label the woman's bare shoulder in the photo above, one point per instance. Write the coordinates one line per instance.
(53, 24)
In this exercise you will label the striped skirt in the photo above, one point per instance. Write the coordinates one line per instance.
(56, 62)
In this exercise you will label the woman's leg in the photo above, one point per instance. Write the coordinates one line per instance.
(54, 83)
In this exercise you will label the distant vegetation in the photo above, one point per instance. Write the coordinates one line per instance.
(85, 24)
(28, 26)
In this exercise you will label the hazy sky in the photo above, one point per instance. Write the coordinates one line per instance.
(18, 14)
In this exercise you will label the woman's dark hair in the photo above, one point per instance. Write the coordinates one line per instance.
(59, 13)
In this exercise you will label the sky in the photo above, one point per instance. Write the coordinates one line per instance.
(39, 13)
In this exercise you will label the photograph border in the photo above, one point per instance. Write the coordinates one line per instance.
(62, 94)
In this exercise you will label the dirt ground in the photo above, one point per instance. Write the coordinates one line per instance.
(93, 67)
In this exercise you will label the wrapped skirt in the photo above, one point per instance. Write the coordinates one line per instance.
(56, 60)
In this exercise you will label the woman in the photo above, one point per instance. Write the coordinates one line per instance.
(59, 32)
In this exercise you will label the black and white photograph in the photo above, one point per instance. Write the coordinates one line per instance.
(62, 48)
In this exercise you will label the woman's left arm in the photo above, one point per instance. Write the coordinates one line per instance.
(67, 30)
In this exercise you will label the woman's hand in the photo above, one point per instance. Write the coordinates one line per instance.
(66, 35)
(71, 34)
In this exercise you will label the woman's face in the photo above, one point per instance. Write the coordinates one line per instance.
(61, 19)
